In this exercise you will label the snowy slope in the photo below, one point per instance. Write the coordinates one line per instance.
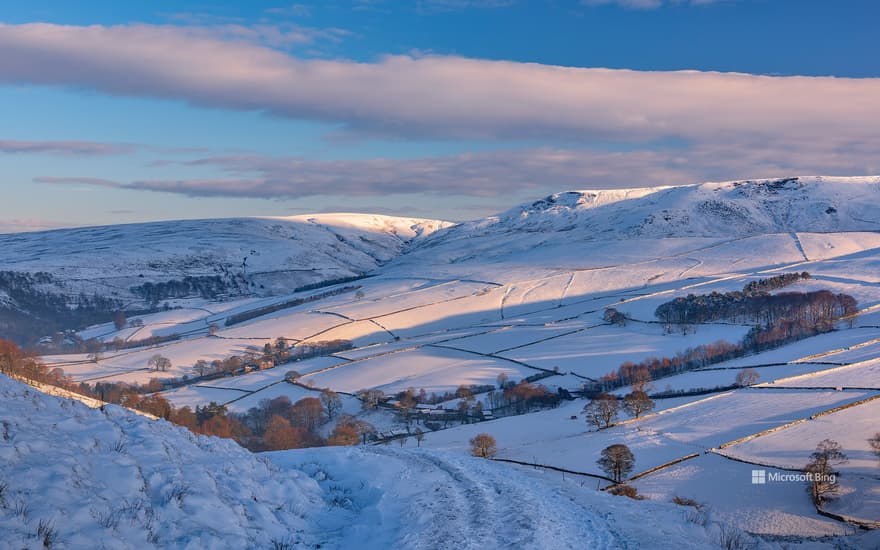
(709, 210)
(117, 480)
(261, 255)
(739, 208)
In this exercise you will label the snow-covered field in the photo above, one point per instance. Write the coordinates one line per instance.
(726, 488)
(597, 351)
(860, 489)
(525, 290)
(435, 369)
(864, 374)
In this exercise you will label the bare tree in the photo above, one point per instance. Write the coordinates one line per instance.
(747, 377)
(119, 320)
(483, 445)
(364, 429)
(291, 376)
(637, 402)
(118, 343)
(213, 329)
(617, 461)
(370, 398)
(308, 413)
(602, 410)
(201, 367)
(94, 348)
(402, 440)
(420, 436)
(159, 363)
(820, 468)
(874, 442)
(641, 380)
(614, 317)
(331, 401)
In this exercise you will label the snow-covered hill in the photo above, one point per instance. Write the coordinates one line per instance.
(519, 294)
(82, 478)
(735, 209)
(263, 253)
(48, 273)
(738, 208)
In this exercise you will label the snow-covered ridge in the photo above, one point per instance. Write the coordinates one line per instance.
(406, 229)
(736, 208)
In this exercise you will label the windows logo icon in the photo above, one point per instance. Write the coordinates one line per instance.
(759, 477)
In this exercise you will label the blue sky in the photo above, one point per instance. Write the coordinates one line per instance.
(116, 112)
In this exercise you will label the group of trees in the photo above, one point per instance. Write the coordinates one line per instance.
(159, 363)
(274, 424)
(271, 355)
(602, 410)
(206, 286)
(277, 424)
(30, 310)
(652, 368)
(775, 283)
(16, 363)
(434, 397)
(747, 377)
(519, 397)
(816, 308)
(787, 317)
(510, 398)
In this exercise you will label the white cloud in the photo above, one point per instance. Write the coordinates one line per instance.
(727, 126)
(442, 97)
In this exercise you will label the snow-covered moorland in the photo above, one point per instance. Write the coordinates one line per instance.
(524, 295)
(75, 477)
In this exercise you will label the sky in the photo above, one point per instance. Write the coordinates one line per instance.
(119, 112)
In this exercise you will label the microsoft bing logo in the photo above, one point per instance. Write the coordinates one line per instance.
(759, 477)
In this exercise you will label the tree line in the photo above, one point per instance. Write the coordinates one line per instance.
(809, 308)
(206, 286)
(28, 312)
(782, 318)
(273, 425)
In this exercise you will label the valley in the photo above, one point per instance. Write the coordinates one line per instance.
(524, 296)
